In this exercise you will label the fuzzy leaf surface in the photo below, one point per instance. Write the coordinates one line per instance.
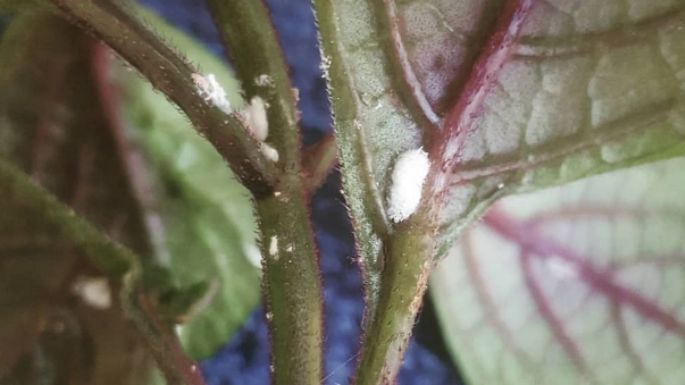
(579, 284)
(582, 87)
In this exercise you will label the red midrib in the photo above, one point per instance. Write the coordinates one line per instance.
(461, 118)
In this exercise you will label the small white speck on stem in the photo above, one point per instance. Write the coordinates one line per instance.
(93, 291)
(273, 247)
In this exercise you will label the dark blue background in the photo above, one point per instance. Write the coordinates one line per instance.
(244, 359)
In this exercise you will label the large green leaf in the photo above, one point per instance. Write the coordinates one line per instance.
(505, 96)
(209, 230)
(53, 128)
(580, 284)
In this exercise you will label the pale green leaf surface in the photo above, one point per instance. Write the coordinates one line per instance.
(206, 214)
(579, 284)
(587, 87)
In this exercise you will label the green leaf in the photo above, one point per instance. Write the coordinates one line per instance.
(504, 96)
(206, 216)
(19, 5)
(580, 284)
(579, 88)
(52, 134)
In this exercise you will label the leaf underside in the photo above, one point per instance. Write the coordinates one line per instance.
(586, 87)
(52, 128)
(579, 284)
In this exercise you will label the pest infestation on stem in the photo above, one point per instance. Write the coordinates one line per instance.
(526, 101)
(255, 112)
(408, 176)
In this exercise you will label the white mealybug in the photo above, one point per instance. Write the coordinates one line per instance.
(263, 80)
(257, 122)
(93, 291)
(210, 89)
(273, 246)
(269, 152)
(256, 116)
(408, 176)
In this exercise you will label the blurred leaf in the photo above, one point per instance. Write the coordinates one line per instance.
(206, 214)
(18, 5)
(53, 128)
(504, 99)
(580, 284)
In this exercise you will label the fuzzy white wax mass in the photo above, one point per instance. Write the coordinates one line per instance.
(210, 89)
(408, 176)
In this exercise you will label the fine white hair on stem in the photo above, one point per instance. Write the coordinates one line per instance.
(210, 89)
(408, 176)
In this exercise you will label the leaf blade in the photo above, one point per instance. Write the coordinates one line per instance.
(585, 273)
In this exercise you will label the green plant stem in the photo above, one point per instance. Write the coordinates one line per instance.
(291, 282)
(172, 75)
(408, 263)
(113, 259)
(107, 255)
(159, 336)
(292, 288)
(246, 28)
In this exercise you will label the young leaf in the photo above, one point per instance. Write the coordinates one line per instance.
(580, 284)
(209, 226)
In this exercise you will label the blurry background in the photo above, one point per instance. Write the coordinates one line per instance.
(244, 359)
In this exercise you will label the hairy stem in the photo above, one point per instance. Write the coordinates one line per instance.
(291, 282)
(408, 264)
(173, 76)
(246, 28)
(113, 259)
(159, 336)
(292, 287)
(109, 256)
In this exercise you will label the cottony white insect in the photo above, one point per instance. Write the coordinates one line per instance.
(93, 291)
(408, 176)
(273, 247)
(263, 80)
(210, 89)
(255, 114)
(269, 152)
